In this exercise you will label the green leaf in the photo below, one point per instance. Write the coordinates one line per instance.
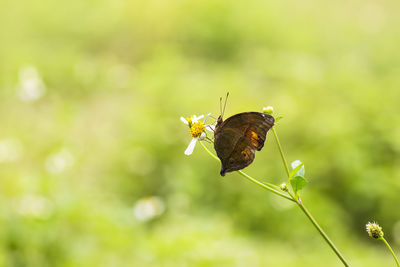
(278, 118)
(298, 169)
(298, 183)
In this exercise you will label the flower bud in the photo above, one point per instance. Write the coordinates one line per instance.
(268, 110)
(284, 187)
(374, 230)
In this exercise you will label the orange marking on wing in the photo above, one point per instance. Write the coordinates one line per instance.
(254, 138)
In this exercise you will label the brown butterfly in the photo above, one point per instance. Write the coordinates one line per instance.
(237, 138)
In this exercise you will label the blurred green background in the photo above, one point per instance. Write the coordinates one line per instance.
(92, 170)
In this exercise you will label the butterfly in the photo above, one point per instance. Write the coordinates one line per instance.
(237, 138)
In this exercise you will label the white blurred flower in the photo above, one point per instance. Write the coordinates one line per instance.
(148, 208)
(31, 86)
(34, 206)
(197, 130)
(58, 162)
(10, 150)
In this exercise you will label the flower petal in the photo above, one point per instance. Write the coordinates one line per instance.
(210, 127)
(192, 144)
(206, 118)
(196, 119)
(184, 120)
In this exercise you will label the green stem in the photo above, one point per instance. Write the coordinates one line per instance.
(322, 233)
(281, 151)
(263, 185)
(267, 186)
(271, 188)
(208, 151)
(390, 249)
(303, 208)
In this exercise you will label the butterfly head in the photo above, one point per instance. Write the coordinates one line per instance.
(219, 120)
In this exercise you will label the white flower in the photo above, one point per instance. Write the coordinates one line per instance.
(35, 206)
(58, 162)
(196, 129)
(31, 86)
(192, 144)
(193, 119)
(148, 208)
(10, 150)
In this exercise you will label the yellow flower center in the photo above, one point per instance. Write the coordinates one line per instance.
(196, 129)
(189, 120)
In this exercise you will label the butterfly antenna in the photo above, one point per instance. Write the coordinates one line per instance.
(220, 106)
(226, 99)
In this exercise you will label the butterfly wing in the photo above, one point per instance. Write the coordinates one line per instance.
(241, 157)
(237, 138)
